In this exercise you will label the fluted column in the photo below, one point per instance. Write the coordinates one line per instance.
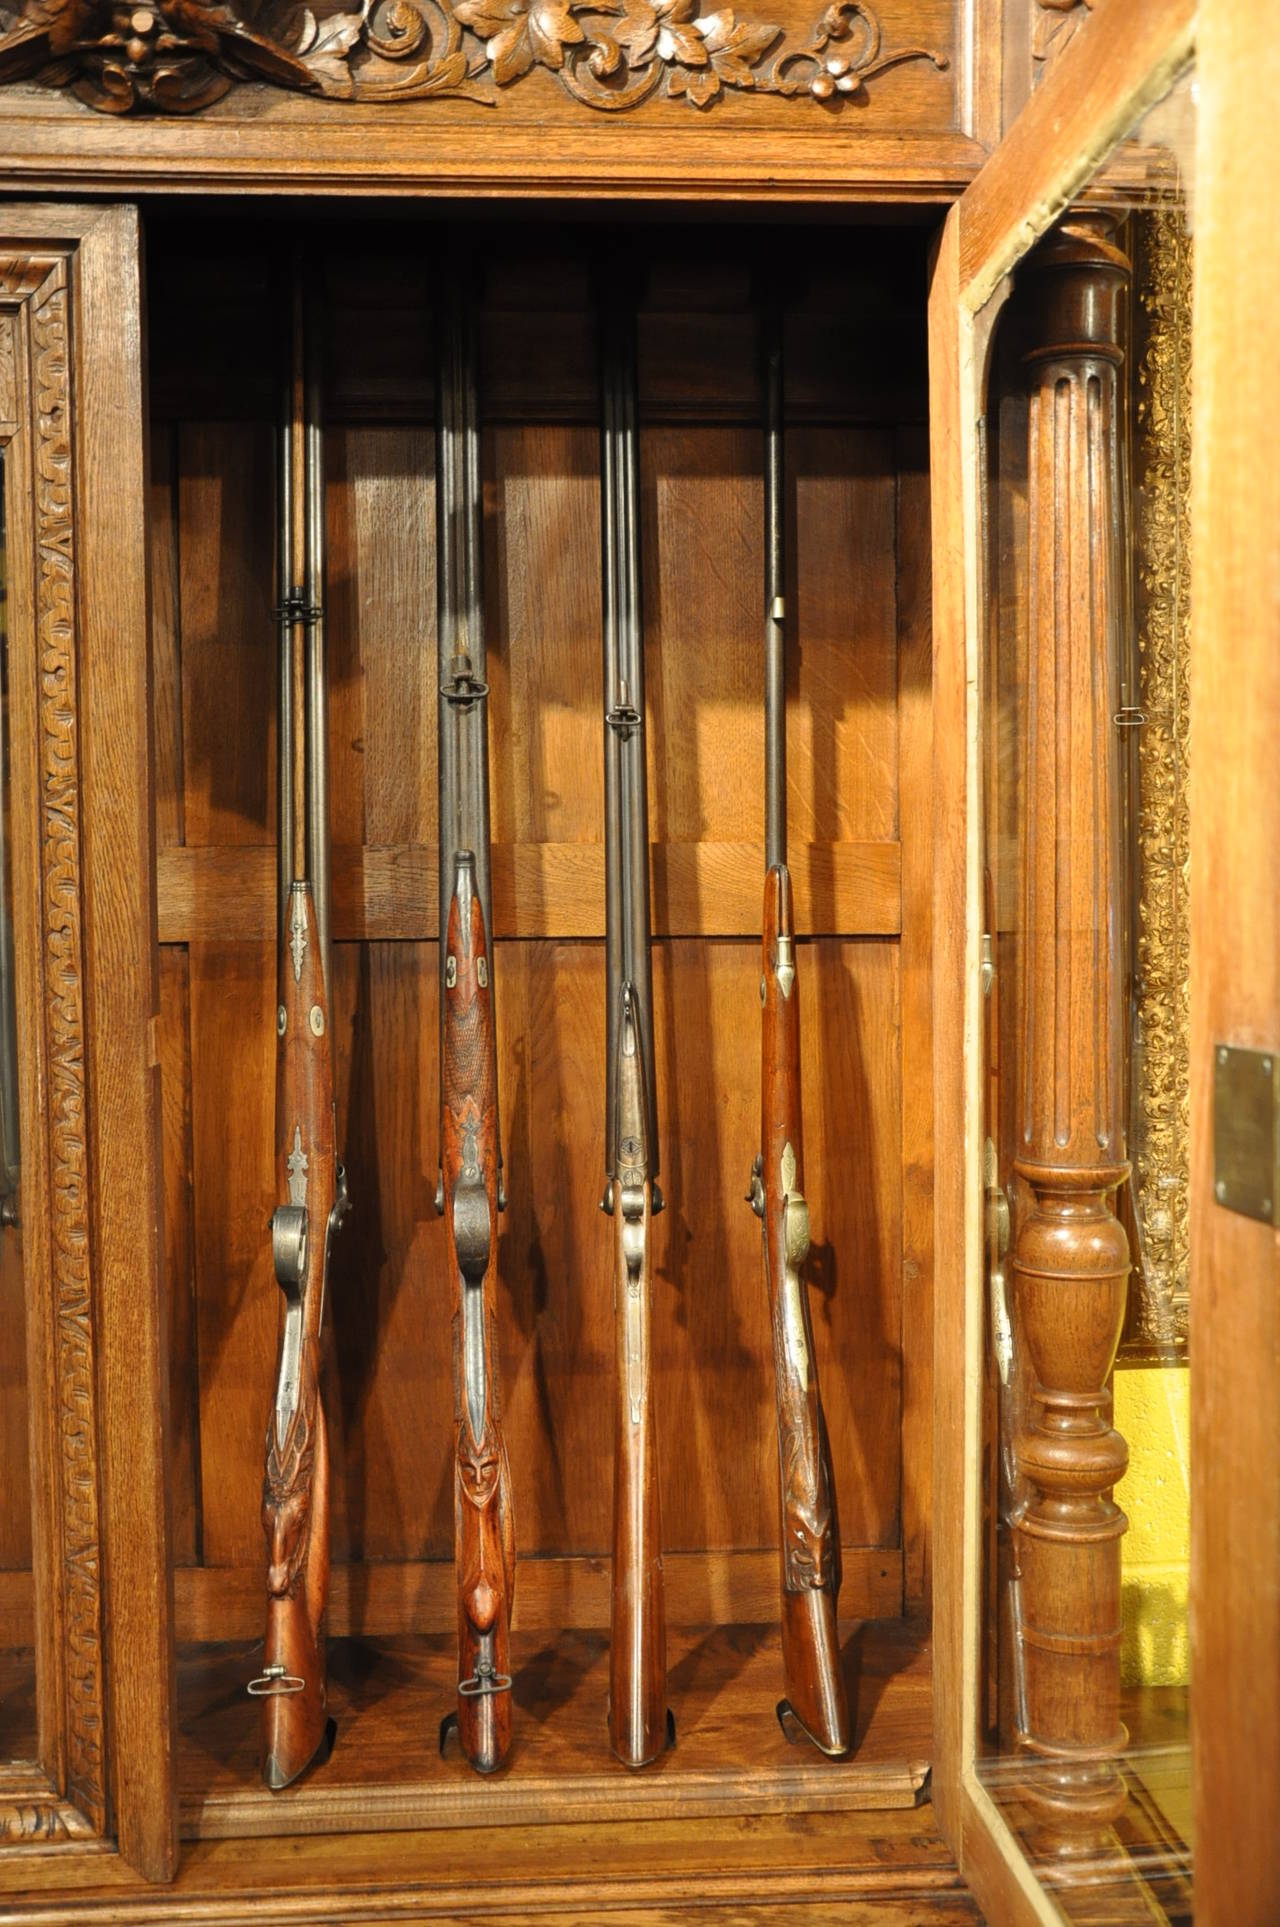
(1071, 1262)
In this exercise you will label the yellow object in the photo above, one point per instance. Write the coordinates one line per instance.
(1153, 1412)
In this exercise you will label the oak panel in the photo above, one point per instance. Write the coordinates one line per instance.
(226, 532)
(381, 631)
(542, 574)
(226, 893)
(394, 1596)
(233, 1038)
(15, 1489)
(173, 1045)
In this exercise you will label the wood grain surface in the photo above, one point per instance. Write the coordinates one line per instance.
(389, 1697)
(1235, 966)
(887, 1868)
(387, 1381)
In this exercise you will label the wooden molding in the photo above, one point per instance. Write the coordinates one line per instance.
(83, 920)
(50, 977)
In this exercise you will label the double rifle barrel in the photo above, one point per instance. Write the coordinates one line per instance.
(311, 1185)
(469, 1193)
(815, 1700)
(639, 1724)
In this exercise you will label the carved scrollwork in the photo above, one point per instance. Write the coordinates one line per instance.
(178, 56)
(64, 1017)
(30, 1821)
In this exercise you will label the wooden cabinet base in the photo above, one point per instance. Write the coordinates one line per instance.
(889, 1870)
(387, 1770)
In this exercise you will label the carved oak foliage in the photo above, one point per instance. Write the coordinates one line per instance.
(64, 1019)
(177, 56)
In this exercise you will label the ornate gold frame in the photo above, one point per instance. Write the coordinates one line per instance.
(1160, 842)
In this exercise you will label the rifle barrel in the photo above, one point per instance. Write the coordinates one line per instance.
(463, 701)
(627, 926)
(315, 667)
(285, 585)
(775, 692)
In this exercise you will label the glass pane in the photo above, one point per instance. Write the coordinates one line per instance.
(1086, 744)
(17, 1658)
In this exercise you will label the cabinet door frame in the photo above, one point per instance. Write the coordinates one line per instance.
(72, 427)
(1120, 62)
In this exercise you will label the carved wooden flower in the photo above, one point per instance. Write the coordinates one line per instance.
(518, 37)
(702, 52)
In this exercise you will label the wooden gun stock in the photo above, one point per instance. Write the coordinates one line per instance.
(295, 1491)
(484, 1526)
(639, 1728)
(810, 1541)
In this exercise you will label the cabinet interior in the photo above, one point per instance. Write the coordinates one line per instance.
(859, 721)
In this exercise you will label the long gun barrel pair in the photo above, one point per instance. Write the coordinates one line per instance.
(640, 1725)
(469, 1194)
(311, 1184)
(816, 1699)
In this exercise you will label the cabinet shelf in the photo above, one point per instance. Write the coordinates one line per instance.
(388, 1695)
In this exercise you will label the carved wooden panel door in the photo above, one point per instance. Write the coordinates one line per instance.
(84, 1589)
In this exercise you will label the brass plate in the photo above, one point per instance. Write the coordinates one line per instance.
(1246, 1131)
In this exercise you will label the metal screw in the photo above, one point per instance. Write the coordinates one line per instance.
(1220, 1188)
(1266, 1067)
(1222, 1053)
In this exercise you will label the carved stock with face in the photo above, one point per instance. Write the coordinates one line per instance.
(810, 1539)
(484, 1529)
(295, 1499)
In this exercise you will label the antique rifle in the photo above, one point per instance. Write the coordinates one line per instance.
(470, 1192)
(639, 1722)
(815, 1692)
(312, 1187)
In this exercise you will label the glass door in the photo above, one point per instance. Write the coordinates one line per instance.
(1071, 1087)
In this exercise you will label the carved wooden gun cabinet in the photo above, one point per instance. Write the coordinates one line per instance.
(977, 225)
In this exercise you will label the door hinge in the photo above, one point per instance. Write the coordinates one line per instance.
(987, 964)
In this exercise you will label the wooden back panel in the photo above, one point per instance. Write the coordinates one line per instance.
(856, 585)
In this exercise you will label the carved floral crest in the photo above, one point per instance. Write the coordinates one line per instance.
(177, 56)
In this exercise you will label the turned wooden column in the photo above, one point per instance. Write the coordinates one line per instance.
(1071, 1261)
